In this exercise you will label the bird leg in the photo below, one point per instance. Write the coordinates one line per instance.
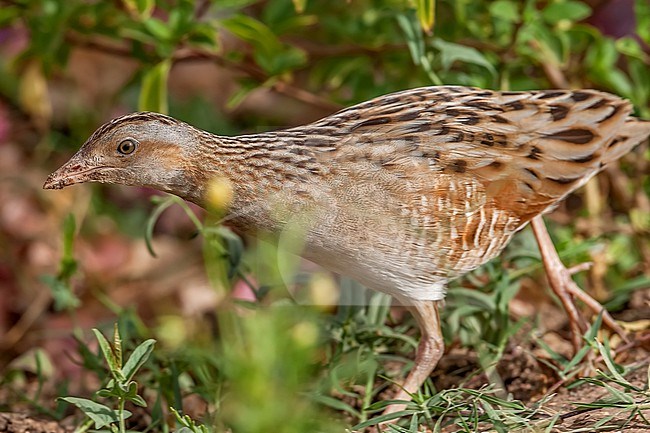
(429, 351)
(559, 278)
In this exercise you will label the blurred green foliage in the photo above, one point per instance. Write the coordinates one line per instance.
(349, 51)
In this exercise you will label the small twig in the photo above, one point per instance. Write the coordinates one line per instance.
(577, 412)
(201, 9)
(580, 268)
(551, 69)
(95, 44)
(35, 310)
(327, 51)
(558, 384)
(305, 96)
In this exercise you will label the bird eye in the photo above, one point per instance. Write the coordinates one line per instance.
(127, 146)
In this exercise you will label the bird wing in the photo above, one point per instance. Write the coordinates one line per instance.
(528, 150)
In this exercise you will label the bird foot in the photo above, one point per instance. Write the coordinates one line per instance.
(559, 278)
(597, 308)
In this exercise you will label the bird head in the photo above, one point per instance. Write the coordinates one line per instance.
(139, 149)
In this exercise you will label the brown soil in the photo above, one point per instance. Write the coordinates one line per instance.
(21, 423)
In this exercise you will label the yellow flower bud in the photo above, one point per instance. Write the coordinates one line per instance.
(220, 193)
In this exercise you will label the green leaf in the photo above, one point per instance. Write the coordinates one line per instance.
(69, 228)
(114, 364)
(381, 418)
(336, 404)
(112, 392)
(414, 39)
(603, 54)
(270, 54)
(35, 361)
(136, 399)
(565, 10)
(378, 308)
(203, 35)
(621, 83)
(451, 52)
(158, 29)
(151, 222)
(189, 425)
(131, 390)
(8, 14)
(117, 344)
(620, 398)
(253, 32)
(642, 14)
(592, 333)
(246, 86)
(630, 47)
(153, 94)
(576, 359)
(137, 34)
(606, 353)
(473, 298)
(64, 297)
(282, 61)
(138, 358)
(426, 11)
(100, 414)
(505, 10)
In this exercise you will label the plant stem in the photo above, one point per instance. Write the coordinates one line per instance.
(121, 415)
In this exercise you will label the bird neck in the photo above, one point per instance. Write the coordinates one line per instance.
(266, 171)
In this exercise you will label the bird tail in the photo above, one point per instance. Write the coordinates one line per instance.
(633, 132)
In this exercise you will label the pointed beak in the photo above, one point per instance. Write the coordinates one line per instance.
(76, 170)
